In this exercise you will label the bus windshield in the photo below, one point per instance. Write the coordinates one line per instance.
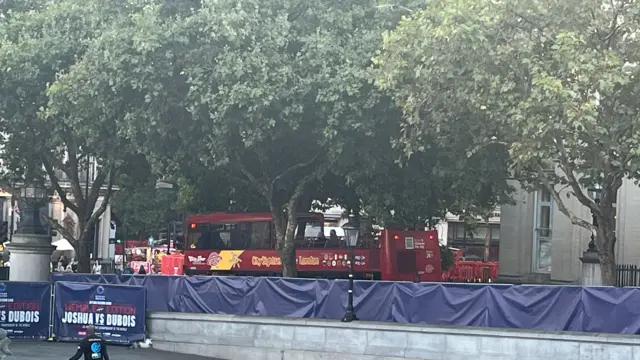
(240, 235)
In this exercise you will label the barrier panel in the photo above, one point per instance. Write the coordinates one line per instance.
(25, 309)
(568, 308)
(118, 312)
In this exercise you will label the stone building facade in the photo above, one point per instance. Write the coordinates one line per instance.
(540, 245)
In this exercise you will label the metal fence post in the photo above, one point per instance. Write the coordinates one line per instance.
(52, 306)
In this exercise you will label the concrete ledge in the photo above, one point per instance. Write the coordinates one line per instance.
(261, 338)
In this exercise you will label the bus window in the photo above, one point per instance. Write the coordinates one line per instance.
(310, 233)
(238, 236)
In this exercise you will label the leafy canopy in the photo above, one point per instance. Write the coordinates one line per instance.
(47, 136)
(554, 82)
(276, 96)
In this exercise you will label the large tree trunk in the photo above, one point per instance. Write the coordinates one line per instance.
(605, 239)
(83, 205)
(83, 249)
(608, 269)
(605, 243)
(288, 255)
(285, 224)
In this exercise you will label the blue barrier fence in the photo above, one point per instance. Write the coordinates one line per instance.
(41, 310)
(25, 309)
(568, 308)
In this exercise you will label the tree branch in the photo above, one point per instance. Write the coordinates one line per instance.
(263, 188)
(563, 208)
(59, 228)
(295, 168)
(96, 186)
(72, 173)
(56, 184)
(299, 190)
(262, 159)
(573, 181)
(613, 29)
(105, 200)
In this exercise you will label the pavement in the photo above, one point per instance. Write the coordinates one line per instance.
(40, 350)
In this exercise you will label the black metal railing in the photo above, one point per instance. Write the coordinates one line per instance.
(627, 275)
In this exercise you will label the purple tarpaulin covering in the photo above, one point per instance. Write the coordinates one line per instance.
(570, 308)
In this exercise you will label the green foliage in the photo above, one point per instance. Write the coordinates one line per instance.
(265, 92)
(48, 136)
(447, 257)
(204, 190)
(248, 106)
(404, 189)
(553, 82)
(145, 210)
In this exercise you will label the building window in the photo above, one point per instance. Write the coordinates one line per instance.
(495, 233)
(542, 237)
(456, 232)
(481, 232)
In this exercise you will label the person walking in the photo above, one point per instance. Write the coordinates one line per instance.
(92, 347)
(97, 268)
(128, 270)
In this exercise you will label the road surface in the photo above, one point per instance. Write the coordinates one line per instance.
(40, 350)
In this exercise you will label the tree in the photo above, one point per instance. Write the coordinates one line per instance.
(262, 90)
(49, 138)
(554, 82)
(276, 97)
(405, 188)
(300, 83)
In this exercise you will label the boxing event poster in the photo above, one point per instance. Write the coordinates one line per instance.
(116, 311)
(25, 309)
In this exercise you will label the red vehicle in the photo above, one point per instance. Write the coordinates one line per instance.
(470, 271)
(243, 244)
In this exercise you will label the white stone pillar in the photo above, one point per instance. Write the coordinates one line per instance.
(103, 238)
(30, 257)
(591, 274)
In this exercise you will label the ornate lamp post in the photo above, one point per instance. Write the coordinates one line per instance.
(351, 232)
(35, 200)
(30, 246)
(591, 271)
(595, 195)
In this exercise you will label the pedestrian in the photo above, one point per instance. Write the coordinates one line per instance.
(142, 271)
(92, 347)
(97, 268)
(128, 270)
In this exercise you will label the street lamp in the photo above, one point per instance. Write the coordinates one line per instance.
(34, 199)
(351, 232)
(594, 192)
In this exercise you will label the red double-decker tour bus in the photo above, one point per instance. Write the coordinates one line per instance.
(244, 244)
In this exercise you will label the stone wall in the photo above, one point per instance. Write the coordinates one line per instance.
(231, 337)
